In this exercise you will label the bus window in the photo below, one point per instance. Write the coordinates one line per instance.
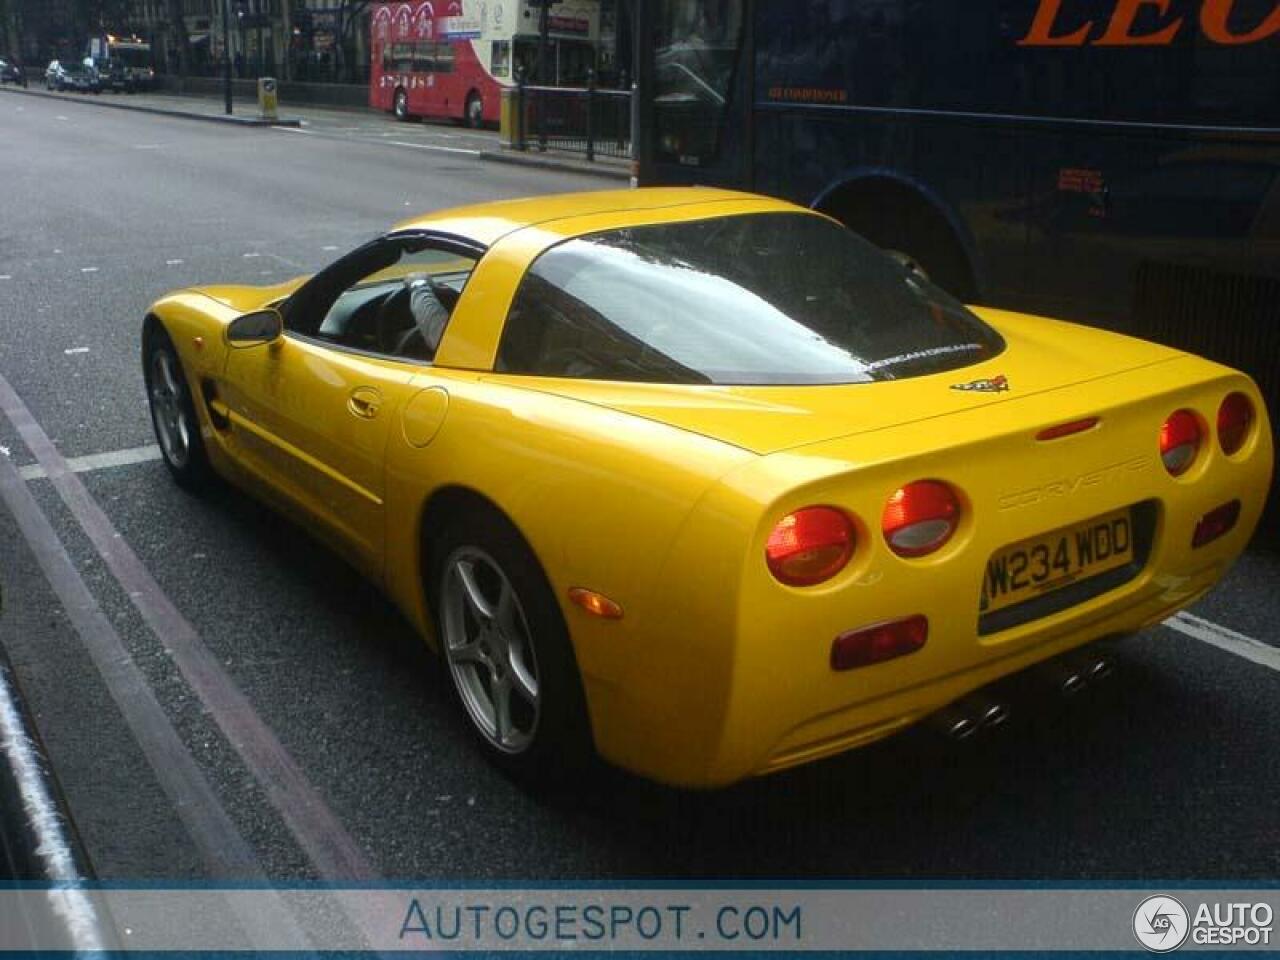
(423, 61)
(402, 55)
(696, 54)
(444, 58)
(500, 58)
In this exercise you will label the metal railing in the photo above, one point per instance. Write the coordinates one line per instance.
(585, 120)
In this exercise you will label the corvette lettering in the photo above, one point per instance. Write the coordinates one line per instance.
(1069, 485)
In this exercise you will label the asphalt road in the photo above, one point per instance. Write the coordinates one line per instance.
(1165, 772)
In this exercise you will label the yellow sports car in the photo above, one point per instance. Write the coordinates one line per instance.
(701, 480)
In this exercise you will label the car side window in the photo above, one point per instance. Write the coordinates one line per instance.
(393, 297)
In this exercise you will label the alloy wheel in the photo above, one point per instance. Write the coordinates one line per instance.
(168, 409)
(490, 651)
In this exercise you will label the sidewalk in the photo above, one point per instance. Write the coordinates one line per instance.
(167, 105)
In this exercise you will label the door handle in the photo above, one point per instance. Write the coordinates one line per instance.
(364, 402)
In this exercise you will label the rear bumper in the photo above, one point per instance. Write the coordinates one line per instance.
(1149, 601)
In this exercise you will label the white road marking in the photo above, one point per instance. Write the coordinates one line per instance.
(432, 146)
(97, 461)
(148, 146)
(72, 350)
(250, 256)
(292, 264)
(5, 276)
(88, 269)
(61, 118)
(290, 130)
(172, 263)
(1216, 635)
(322, 248)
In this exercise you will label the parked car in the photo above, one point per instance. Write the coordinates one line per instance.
(72, 76)
(705, 481)
(12, 73)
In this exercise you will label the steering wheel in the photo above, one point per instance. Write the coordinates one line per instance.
(389, 327)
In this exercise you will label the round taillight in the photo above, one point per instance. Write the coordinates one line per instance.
(1235, 419)
(1179, 442)
(810, 545)
(920, 517)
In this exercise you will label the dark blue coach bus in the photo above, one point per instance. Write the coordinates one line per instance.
(1115, 162)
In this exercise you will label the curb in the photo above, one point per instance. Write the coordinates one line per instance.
(240, 121)
(519, 159)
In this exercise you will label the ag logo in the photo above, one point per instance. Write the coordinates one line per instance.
(1161, 924)
(998, 384)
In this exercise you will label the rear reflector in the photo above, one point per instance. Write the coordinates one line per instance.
(1235, 420)
(809, 546)
(1216, 523)
(1067, 429)
(879, 642)
(1179, 441)
(920, 517)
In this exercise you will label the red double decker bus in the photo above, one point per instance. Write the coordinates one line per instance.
(451, 58)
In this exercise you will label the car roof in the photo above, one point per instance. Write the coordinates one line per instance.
(487, 223)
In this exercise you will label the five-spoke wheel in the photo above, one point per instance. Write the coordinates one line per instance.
(173, 414)
(490, 653)
(505, 642)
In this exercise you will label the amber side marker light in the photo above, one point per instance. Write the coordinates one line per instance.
(1067, 429)
(879, 642)
(1235, 421)
(1216, 523)
(596, 604)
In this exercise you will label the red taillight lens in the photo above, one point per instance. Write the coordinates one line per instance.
(1216, 523)
(920, 517)
(1235, 419)
(878, 643)
(1179, 442)
(810, 546)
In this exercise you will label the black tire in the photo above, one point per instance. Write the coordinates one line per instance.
(400, 104)
(473, 112)
(173, 411)
(559, 744)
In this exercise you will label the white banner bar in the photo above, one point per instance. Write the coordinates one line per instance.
(657, 920)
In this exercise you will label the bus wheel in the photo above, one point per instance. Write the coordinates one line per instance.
(400, 105)
(905, 226)
(474, 116)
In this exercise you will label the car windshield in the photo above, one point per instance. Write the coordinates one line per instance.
(776, 298)
(75, 68)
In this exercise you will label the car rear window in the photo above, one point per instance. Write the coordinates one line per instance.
(777, 298)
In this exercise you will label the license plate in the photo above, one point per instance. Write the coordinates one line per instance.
(1051, 561)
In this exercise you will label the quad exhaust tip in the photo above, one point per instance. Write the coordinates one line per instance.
(963, 719)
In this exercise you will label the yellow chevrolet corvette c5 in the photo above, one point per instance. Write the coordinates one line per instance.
(701, 480)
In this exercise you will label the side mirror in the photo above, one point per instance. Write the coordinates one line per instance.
(251, 329)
